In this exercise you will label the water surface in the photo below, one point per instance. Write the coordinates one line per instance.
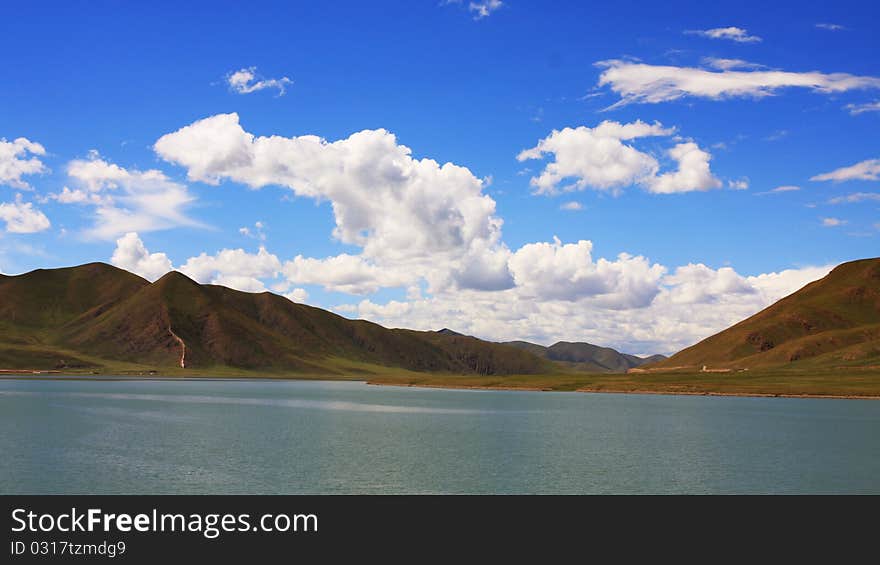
(292, 437)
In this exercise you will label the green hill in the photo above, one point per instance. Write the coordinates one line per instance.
(832, 322)
(97, 315)
(584, 356)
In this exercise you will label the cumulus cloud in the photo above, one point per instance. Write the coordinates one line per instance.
(739, 184)
(407, 214)
(856, 109)
(864, 170)
(235, 268)
(731, 33)
(131, 254)
(568, 272)
(22, 217)
(246, 81)
(344, 273)
(562, 292)
(643, 83)
(18, 158)
(430, 229)
(125, 200)
(572, 206)
(691, 303)
(693, 172)
(598, 158)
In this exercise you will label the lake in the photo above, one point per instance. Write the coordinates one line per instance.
(296, 437)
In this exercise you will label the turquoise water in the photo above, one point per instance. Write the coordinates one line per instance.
(290, 437)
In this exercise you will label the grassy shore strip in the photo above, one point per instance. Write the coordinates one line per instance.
(860, 383)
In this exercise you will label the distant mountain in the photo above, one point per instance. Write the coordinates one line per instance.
(94, 315)
(834, 321)
(586, 356)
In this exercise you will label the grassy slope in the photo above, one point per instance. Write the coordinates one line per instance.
(834, 321)
(100, 315)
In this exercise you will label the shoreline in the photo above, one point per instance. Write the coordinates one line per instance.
(59, 376)
(632, 391)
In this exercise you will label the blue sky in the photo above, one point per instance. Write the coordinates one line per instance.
(758, 98)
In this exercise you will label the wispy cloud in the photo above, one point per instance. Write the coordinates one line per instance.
(480, 9)
(856, 197)
(833, 222)
(864, 170)
(731, 33)
(246, 81)
(643, 83)
(572, 206)
(777, 135)
(856, 109)
(484, 8)
(779, 189)
(830, 27)
(728, 64)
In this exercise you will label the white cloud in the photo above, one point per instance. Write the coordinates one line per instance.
(567, 272)
(572, 206)
(131, 254)
(22, 217)
(18, 158)
(691, 303)
(693, 172)
(643, 83)
(855, 197)
(125, 200)
(833, 222)
(68, 196)
(740, 184)
(344, 273)
(780, 189)
(408, 215)
(561, 293)
(257, 232)
(598, 158)
(731, 33)
(246, 81)
(856, 109)
(484, 8)
(699, 284)
(864, 170)
(728, 64)
(430, 229)
(830, 27)
(235, 268)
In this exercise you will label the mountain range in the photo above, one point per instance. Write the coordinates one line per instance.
(96, 315)
(99, 317)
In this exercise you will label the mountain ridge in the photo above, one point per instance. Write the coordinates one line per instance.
(99, 312)
(586, 356)
(832, 321)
